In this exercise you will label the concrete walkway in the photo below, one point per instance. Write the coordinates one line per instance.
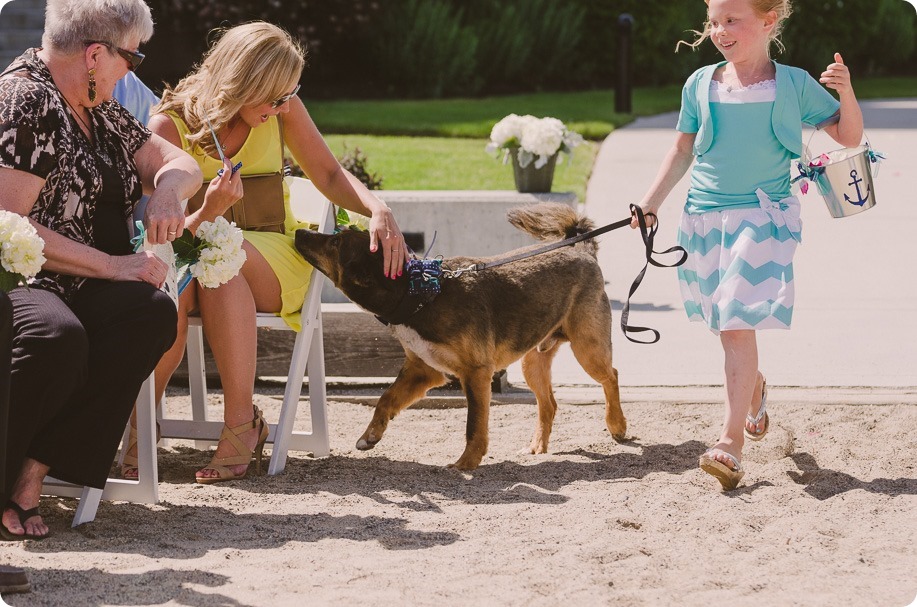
(855, 321)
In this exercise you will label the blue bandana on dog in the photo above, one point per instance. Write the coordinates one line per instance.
(424, 276)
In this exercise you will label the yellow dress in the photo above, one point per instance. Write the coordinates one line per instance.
(261, 154)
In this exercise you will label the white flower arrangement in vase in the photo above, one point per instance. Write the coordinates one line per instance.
(21, 251)
(532, 139)
(213, 256)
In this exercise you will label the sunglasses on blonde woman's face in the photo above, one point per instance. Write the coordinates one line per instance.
(133, 58)
(276, 104)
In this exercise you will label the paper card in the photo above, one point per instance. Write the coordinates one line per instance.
(165, 253)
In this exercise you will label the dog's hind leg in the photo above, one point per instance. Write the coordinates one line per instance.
(536, 368)
(476, 385)
(592, 348)
(412, 383)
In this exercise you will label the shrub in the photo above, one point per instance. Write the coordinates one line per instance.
(422, 49)
(355, 161)
(438, 48)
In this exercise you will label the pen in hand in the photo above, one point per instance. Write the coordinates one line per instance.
(235, 169)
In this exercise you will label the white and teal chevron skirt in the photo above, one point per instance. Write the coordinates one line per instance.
(739, 272)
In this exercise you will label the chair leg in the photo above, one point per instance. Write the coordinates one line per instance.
(284, 428)
(89, 505)
(197, 379)
(318, 396)
(147, 470)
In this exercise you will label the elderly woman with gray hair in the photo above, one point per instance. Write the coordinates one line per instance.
(93, 324)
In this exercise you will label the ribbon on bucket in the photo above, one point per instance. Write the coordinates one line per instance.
(813, 169)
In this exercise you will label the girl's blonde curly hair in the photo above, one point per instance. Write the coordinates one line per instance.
(250, 64)
(783, 9)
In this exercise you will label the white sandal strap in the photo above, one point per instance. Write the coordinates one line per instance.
(762, 411)
(735, 460)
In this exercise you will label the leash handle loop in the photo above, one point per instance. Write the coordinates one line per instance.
(648, 234)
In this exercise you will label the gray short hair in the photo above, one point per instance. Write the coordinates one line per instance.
(69, 23)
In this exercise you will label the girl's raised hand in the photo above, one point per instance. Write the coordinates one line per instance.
(836, 76)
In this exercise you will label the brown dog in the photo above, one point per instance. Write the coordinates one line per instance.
(483, 321)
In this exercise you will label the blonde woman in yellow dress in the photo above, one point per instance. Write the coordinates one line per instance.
(248, 80)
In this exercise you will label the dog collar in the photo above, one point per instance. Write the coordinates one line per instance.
(424, 284)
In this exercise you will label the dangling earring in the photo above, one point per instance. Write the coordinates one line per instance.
(92, 85)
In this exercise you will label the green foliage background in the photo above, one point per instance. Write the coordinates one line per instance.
(461, 48)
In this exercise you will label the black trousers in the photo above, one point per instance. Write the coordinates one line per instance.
(6, 359)
(76, 372)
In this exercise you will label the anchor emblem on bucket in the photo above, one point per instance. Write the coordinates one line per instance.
(861, 199)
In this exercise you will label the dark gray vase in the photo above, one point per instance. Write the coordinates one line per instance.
(532, 180)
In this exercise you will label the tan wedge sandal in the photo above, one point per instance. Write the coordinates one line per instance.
(729, 477)
(129, 463)
(244, 454)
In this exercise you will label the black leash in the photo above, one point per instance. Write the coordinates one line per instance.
(568, 242)
(648, 234)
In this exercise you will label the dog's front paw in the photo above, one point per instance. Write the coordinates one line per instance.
(368, 441)
(371, 436)
(365, 445)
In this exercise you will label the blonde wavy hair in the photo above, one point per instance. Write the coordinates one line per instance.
(249, 64)
(783, 8)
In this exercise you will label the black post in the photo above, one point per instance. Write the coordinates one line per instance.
(625, 64)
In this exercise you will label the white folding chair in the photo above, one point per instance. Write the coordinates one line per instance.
(308, 356)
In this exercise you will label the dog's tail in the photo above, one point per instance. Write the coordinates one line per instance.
(552, 221)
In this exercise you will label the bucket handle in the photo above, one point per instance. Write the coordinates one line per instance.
(830, 120)
(807, 171)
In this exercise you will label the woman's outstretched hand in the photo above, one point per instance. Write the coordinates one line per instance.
(384, 232)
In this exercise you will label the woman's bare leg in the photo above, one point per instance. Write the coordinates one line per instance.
(228, 314)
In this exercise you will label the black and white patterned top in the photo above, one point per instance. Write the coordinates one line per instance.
(38, 135)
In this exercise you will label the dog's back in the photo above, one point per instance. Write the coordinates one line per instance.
(551, 221)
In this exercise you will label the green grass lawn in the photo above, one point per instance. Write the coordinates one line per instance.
(439, 144)
(590, 113)
(437, 163)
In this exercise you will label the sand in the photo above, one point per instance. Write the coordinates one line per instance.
(825, 515)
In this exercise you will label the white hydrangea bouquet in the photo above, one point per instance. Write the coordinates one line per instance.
(532, 139)
(21, 251)
(213, 256)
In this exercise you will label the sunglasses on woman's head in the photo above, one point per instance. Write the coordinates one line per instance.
(133, 58)
(276, 104)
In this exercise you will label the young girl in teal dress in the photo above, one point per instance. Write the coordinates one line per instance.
(742, 120)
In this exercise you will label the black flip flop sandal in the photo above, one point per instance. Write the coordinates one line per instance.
(23, 515)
